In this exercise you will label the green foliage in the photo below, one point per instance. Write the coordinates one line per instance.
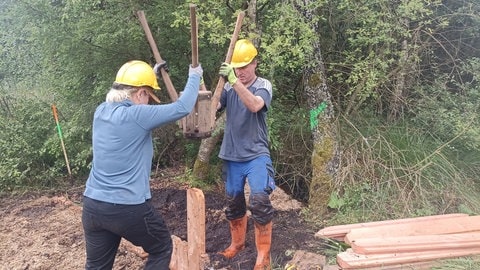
(67, 53)
(291, 146)
(451, 109)
(396, 171)
(462, 263)
(189, 179)
(287, 39)
(215, 27)
(24, 136)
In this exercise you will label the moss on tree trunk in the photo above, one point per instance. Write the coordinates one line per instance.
(321, 183)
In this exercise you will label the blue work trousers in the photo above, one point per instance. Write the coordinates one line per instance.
(260, 176)
(104, 225)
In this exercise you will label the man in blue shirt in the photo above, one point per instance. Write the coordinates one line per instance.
(245, 152)
(116, 198)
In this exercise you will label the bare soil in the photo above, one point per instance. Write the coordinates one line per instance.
(43, 230)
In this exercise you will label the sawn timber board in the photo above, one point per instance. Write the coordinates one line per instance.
(415, 243)
(351, 260)
(339, 231)
(422, 227)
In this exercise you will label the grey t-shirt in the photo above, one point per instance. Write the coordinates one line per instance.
(246, 133)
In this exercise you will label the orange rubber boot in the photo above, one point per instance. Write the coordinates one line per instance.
(263, 241)
(238, 229)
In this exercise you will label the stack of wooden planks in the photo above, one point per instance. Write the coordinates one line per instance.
(411, 243)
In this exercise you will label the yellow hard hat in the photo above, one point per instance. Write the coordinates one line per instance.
(243, 53)
(137, 73)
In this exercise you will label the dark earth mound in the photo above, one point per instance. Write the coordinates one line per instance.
(44, 231)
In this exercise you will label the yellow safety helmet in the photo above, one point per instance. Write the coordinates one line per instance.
(137, 73)
(243, 53)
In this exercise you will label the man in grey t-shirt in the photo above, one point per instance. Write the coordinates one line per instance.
(245, 152)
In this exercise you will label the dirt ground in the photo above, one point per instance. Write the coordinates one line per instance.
(44, 231)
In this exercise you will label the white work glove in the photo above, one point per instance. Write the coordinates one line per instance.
(195, 70)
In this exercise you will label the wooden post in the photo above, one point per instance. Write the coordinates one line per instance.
(195, 228)
(179, 255)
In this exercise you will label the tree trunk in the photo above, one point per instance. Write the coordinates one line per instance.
(398, 100)
(202, 165)
(325, 153)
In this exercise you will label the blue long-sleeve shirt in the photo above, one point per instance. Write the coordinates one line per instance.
(123, 147)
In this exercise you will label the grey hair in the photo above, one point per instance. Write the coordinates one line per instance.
(119, 94)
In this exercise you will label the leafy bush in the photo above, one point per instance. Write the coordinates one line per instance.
(449, 109)
(24, 135)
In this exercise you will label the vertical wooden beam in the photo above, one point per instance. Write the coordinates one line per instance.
(195, 228)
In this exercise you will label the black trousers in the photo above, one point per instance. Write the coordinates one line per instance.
(104, 225)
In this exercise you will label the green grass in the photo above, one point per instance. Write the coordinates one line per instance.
(397, 171)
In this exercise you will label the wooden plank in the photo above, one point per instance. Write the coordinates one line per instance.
(426, 227)
(179, 259)
(351, 260)
(403, 266)
(197, 124)
(416, 243)
(339, 231)
(195, 228)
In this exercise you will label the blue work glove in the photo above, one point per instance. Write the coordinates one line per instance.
(158, 67)
(195, 70)
(226, 70)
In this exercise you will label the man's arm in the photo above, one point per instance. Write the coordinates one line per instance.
(252, 102)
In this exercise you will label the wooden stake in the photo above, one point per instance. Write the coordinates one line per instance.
(60, 135)
(195, 227)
